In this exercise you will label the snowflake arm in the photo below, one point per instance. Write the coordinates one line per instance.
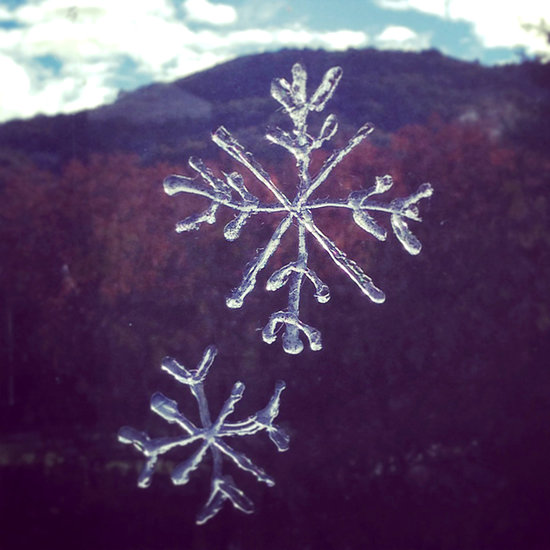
(223, 489)
(232, 147)
(335, 159)
(350, 268)
(211, 436)
(237, 296)
(262, 420)
(299, 211)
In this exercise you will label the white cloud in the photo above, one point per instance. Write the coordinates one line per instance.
(11, 96)
(98, 28)
(93, 40)
(74, 93)
(436, 7)
(295, 36)
(33, 90)
(504, 24)
(91, 10)
(90, 43)
(207, 12)
(5, 14)
(397, 37)
(496, 23)
(342, 40)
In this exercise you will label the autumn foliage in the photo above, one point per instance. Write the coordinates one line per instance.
(96, 287)
(82, 247)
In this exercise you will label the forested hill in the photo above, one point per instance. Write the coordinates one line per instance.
(390, 89)
(422, 423)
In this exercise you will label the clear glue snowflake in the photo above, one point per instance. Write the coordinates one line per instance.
(232, 193)
(211, 435)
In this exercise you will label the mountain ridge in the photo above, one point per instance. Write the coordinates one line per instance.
(390, 88)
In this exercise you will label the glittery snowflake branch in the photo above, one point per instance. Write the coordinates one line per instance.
(211, 436)
(233, 194)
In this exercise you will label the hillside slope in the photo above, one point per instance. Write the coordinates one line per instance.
(390, 89)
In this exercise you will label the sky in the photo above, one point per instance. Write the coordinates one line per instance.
(62, 56)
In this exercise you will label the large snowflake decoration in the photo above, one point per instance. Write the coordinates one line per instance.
(211, 435)
(232, 193)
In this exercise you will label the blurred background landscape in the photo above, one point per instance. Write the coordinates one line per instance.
(424, 421)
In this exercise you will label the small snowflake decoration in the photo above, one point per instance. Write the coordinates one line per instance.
(232, 193)
(211, 436)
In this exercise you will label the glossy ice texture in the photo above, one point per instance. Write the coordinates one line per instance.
(298, 211)
(210, 435)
